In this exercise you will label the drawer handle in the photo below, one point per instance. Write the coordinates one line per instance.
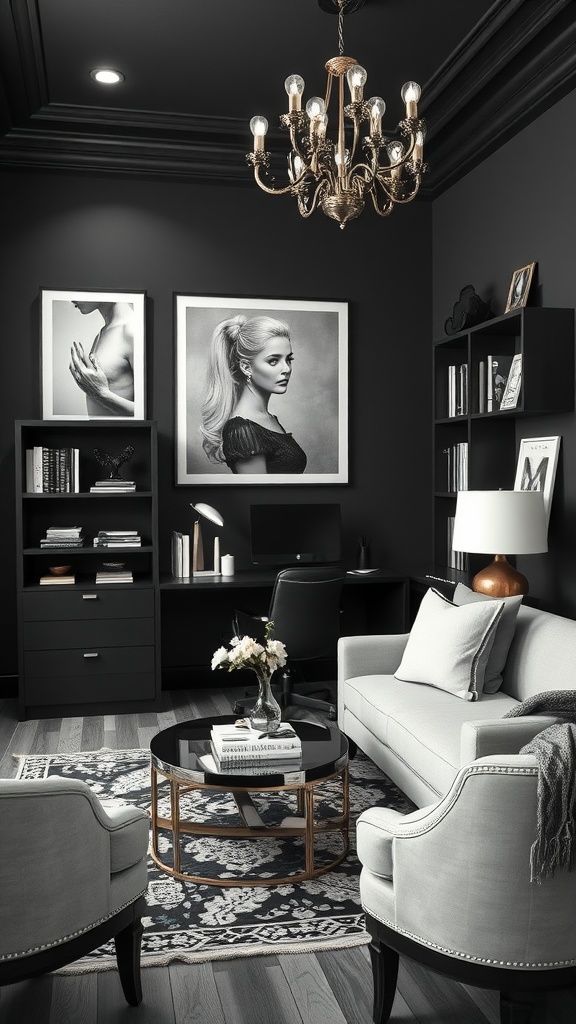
(93, 654)
(89, 597)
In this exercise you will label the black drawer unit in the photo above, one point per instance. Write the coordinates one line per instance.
(87, 647)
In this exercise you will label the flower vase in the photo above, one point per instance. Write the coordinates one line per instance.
(266, 713)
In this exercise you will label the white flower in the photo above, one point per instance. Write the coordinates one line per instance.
(219, 657)
(246, 652)
(276, 654)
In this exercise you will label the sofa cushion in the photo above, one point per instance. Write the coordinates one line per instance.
(502, 638)
(420, 724)
(449, 645)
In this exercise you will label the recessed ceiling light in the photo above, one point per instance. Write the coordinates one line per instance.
(106, 76)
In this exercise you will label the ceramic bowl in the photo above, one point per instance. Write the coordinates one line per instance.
(59, 570)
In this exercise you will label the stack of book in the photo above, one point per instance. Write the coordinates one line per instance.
(62, 537)
(113, 487)
(52, 470)
(114, 576)
(118, 539)
(233, 746)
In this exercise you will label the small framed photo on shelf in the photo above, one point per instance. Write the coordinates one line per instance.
(261, 390)
(536, 467)
(513, 384)
(519, 287)
(93, 355)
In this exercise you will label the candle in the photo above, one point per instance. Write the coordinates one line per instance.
(217, 554)
(227, 565)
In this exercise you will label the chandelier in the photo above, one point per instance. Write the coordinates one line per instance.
(335, 175)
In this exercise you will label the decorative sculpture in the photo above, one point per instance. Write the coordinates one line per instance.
(112, 463)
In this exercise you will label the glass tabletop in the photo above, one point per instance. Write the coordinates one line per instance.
(186, 751)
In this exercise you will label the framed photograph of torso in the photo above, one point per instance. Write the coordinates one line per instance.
(261, 390)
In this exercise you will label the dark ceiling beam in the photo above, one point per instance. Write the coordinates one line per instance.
(518, 60)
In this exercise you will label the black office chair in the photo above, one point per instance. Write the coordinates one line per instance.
(305, 609)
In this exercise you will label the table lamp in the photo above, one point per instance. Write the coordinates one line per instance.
(500, 521)
(197, 547)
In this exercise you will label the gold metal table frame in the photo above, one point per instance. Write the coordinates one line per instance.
(183, 782)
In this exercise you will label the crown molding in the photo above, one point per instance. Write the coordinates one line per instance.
(518, 61)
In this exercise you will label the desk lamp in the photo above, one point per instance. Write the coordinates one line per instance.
(510, 521)
(197, 548)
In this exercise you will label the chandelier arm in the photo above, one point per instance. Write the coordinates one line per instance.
(308, 211)
(386, 209)
(275, 191)
(398, 199)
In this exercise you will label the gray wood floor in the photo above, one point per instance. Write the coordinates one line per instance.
(332, 987)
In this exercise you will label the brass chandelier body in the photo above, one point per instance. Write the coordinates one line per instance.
(323, 173)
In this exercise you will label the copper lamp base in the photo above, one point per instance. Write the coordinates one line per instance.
(500, 579)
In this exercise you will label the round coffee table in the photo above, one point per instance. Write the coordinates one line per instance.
(181, 754)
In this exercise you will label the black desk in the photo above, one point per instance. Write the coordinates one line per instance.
(197, 616)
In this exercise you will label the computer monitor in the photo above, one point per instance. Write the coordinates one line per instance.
(295, 534)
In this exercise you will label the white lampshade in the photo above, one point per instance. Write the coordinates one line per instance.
(500, 522)
(208, 512)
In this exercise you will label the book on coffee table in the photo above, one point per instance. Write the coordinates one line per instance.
(230, 742)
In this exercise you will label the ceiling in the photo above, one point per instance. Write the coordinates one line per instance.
(197, 70)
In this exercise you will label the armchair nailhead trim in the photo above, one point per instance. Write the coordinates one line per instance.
(468, 956)
(73, 935)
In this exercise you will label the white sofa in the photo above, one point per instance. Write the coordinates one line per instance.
(421, 735)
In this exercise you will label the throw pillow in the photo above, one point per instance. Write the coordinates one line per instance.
(449, 645)
(504, 633)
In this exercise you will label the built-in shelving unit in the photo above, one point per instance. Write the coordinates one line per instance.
(87, 646)
(545, 340)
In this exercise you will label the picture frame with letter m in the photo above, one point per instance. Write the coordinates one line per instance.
(536, 467)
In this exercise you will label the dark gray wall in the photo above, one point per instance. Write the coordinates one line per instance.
(519, 206)
(64, 231)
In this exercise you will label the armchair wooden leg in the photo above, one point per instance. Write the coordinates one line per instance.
(127, 944)
(385, 974)
(522, 1007)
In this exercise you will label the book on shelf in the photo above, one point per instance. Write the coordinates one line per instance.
(114, 483)
(458, 389)
(117, 539)
(497, 370)
(112, 490)
(180, 554)
(482, 386)
(249, 744)
(52, 470)
(61, 542)
(118, 576)
(513, 384)
(457, 466)
(455, 559)
(47, 580)
(71, 532)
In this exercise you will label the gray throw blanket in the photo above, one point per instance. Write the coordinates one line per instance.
(555, 751)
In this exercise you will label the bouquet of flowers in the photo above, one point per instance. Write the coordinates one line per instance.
(245, 652)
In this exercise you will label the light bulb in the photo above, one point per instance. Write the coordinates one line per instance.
(377, 109)
(295, 166)
(346, 158)
(315, 107)
(356, 76)
(410, 93)
(395, 151)
(258, 127)
(294, 86)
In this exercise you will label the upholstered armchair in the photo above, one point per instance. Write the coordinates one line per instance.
(72, 876)
(449, 885)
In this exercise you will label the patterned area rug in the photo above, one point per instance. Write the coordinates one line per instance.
(195, 923)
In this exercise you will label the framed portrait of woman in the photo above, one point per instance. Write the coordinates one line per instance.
(261, 390)
(519, 287)
(92, 354)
